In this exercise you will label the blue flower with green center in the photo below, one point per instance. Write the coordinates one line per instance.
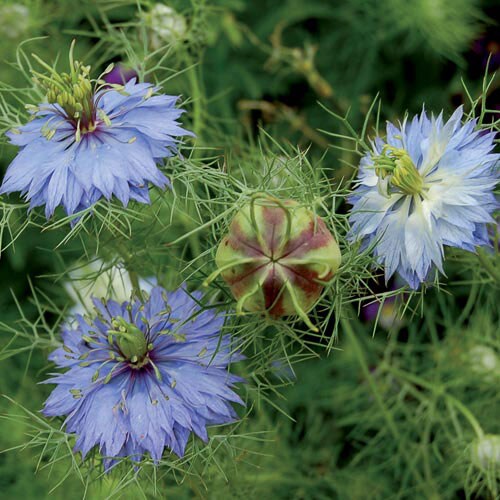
(92, 140)
(426, 185)
(142, 376)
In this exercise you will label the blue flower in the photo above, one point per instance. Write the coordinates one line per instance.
(90, 141)
(142, 376)
(120, 74)
(428, 184)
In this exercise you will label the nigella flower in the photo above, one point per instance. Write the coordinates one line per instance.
(428, 184)
(90, 141)
(142, 376)
(487, 48)
(119, 75)
(386, 310)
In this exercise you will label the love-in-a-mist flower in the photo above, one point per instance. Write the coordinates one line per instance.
(425, 185)
(90, 141)
(142, 376)
(119, 75)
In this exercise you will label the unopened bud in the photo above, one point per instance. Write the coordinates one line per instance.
(486, 452)
(277, 257)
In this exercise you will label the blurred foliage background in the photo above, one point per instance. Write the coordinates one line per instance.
(392, 412)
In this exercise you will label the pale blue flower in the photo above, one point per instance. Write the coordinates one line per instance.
(426, 185)
(73, 157)
(141, 377)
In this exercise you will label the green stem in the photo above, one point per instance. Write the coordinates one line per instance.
(439, 390)
(193, 239)
(199, 228)
(378, 398)
(134, 279)
(471, 302)
(488, 266)
(467, 414)
(196, 95)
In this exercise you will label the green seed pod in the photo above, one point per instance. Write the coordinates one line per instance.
(277, 257)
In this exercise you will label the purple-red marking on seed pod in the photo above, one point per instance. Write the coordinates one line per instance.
(277, 257)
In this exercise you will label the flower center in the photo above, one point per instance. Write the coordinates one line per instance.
(75, 93)
(131, 341)
(395, 168)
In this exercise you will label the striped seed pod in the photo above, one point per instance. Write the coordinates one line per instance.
(277, 257)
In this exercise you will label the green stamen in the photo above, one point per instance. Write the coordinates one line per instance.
(397, 167)
(131, 341)
(73, 91)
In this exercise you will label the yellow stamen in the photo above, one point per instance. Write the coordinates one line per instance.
(396, 165)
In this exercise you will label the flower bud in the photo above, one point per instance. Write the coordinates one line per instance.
(486, 451)
(15, 20)
(484, 361)
(165, 25)
(119, 75)
(277, 257)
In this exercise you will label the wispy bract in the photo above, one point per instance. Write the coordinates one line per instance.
(426, 185)
(142, 377)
